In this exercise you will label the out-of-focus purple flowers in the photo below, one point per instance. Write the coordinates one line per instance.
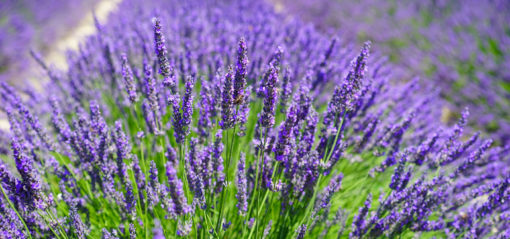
(462, 47)
(27, 25)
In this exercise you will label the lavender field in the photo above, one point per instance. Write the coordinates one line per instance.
(255, 119)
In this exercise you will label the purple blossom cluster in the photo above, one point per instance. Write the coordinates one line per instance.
(255, 125)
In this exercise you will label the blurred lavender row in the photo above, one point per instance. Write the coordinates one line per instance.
(460, 47)
(27, 24)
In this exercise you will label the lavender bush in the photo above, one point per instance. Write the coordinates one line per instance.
(211, 119)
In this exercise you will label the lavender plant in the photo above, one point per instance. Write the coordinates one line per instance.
(211, 119)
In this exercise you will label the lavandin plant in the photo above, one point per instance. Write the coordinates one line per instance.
(224, 163)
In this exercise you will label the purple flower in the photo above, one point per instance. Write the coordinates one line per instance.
(59, 122)
(304, 100)
(270, 94)
(32, 120)
(108, 235)
(346, 95)
(9, 182)
(276, 58)
(242, 186)
(176, 191)
(153, 186)
(359, 222)
(473, 157)
(187, 101)
(227, 101)
(132, 231)
(129, 82)
(150, 118)
(130, 200)
(396, 178)
(333, 187)
(301, 231)
(123, 150)
(183, 114)
(285, 135)
(150, 87)
(241, 71)
(76, 224)
(217, 161)
(32, 194)
(139, 178)
(10, 225)
(424, 149)
(500, 195)
(207, 107)
(308, 135)
(243, 113)
(286, 91)
(171, 155)
(169, 78)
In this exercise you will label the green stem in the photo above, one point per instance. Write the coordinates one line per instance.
(87, 189)
(336, 137)
(53, 218)
(220, 212)
(230, 149)
(146, 210)
(275, 169)
(46, 222)
(255, 189)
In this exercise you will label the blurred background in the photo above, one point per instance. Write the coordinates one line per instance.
(49, 27)
(460, 47)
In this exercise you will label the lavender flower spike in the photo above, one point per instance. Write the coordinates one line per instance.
(176, 191)
(217, 150)
(242, 186)
(76, 225)
(169, 79)
(241, 71)
(123, 150)
(333, 187)
(359, 222)
(267, 119)
(187, 101)
(301, 231)
(31, 182)
(396, 178)
(286, 91)
(227, 101)
(182, 115)
(150, 87)
(129, 82)
(346, 95)
(282, 148)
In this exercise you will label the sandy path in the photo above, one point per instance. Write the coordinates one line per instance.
(84, 28)
(71, 40)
